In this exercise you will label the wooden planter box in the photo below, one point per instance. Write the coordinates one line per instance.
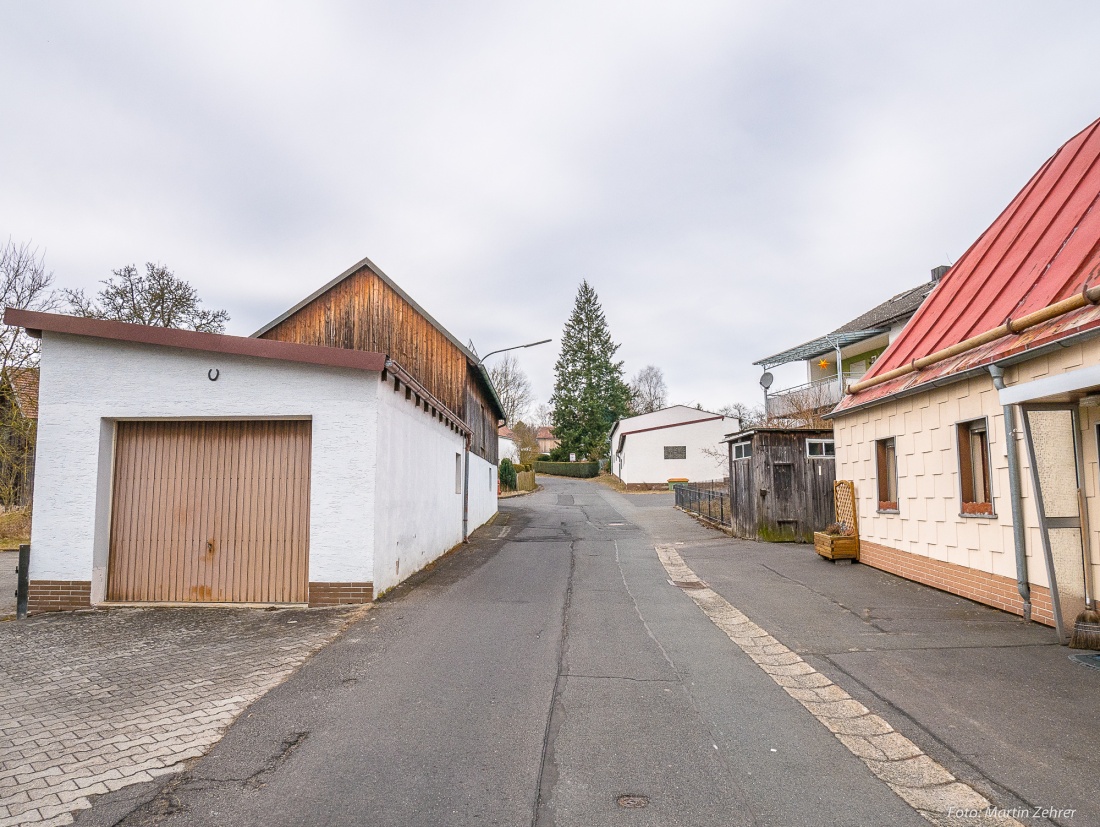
(835, 547)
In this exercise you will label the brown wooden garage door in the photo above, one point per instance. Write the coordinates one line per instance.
(211, 512)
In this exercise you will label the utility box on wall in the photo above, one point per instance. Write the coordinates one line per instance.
(781, 483)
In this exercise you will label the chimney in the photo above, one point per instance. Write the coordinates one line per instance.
(939, 272)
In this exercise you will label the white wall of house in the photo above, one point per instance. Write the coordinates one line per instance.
(483, 491)
(86, 383)
(418, 500)
(929, 522)
(642, 458)
(665, 416)
(506, 449)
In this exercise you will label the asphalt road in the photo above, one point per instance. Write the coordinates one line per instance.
(533, 678)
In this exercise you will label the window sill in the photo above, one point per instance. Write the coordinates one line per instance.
(988, 515)
(888, 511)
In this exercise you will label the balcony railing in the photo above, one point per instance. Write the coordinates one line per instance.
(812, 396)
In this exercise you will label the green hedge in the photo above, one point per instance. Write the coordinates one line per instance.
(568, 469)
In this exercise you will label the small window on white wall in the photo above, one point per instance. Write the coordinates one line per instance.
(821, 448)
(676, 452)
(458, 473)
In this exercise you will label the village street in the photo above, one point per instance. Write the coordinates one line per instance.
(560, 663)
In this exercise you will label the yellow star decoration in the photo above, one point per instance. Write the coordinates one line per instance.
(824, 363)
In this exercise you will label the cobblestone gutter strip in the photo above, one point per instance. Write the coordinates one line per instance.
(92, 702)
(921, 782)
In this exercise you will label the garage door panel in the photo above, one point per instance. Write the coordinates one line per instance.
(210, 512)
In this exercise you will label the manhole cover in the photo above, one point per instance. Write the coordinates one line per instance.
(1092, 661)
(632, 802)
(689, 584)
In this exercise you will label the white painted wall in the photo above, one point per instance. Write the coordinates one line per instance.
(483, 491)
(418, 506)
(87, 382)
(665, 416)
(642, 458)
(506, 448)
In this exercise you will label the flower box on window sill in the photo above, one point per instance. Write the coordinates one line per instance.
(977, 510)
(887, 507)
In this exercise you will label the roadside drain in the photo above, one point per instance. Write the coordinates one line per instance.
(632, 802)
(689, 584)
(1091, 661)
(919, 781)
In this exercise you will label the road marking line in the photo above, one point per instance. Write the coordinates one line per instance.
(921, 782)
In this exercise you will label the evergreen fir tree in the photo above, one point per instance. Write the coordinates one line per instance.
(590, 395)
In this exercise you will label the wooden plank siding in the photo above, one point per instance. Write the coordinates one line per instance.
(780, 494)
(210, 512)
(363, 312)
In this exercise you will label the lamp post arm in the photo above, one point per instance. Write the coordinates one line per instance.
(515, 347)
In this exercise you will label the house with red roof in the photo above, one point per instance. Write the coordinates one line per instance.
(973, 440)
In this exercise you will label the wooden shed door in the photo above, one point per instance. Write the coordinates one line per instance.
(210, 512)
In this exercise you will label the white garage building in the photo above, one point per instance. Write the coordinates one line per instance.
(673, 443)
(176, 467)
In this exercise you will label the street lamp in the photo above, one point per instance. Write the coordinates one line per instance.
(515, 347)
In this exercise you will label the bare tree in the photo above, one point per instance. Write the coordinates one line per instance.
(26, 285)
(157, 298)
(648, 391)
(543, 416)
(527, 444)
(513, 388)
(750, 416)
(803, 408)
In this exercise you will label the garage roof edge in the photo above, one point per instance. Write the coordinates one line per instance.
(193, 340)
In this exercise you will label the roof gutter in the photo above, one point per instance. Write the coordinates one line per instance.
(1089, 295)
(971, 372)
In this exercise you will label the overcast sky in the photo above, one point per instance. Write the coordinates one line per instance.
(732, 178)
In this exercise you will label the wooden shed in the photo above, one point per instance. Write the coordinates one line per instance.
(781, 483)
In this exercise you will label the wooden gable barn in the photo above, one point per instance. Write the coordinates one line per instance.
(363, 309)
(347, 445)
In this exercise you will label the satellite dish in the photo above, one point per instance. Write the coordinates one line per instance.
(766, 380)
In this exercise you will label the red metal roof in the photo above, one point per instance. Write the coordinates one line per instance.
(1040, 250)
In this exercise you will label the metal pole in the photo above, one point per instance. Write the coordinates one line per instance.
(1015, 494)
(839, 371)
(22, 582)
(466, 493)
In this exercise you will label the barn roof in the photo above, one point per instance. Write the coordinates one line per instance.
(366, 264)
(1041, 249)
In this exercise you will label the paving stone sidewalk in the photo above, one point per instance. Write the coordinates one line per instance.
(94, 701)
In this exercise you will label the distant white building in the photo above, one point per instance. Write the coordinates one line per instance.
(506, 444)
(673, 443)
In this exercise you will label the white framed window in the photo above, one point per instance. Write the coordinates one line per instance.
(742, 450)
(458, 473)
(821, 448)
(676, 452)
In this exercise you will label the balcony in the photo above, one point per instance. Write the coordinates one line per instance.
(818, 396)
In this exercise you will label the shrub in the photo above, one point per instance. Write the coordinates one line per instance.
(568, 469)
(507, 474)
(559, 454)
(543, 458)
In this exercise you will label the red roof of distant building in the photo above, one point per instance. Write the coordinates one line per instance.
(545, 433)
(24, 383)
(1040, 250)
